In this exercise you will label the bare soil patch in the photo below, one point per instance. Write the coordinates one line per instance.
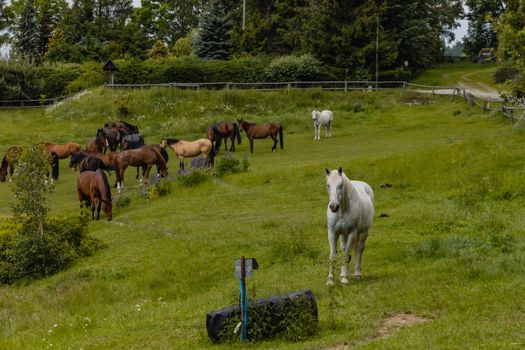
(390, 326)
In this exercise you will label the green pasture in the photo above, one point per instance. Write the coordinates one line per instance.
(471, 75)
(447, 243)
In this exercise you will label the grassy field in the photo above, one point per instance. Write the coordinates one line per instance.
(469, 75)
(447, 244)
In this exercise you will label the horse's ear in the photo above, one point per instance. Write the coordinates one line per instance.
(340, 170)
(327, 171)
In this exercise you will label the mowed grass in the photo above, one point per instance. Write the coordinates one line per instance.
(470, 75)
(450, 247)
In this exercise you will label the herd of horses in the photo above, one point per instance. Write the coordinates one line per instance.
(350, 209)
(119, 145)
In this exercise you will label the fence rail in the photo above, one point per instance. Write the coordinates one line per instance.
(514, 112)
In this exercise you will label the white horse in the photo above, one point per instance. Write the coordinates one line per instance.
(322, 118)
(350, 213)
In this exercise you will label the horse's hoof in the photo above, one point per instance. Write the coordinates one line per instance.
(330, 283)
(357, 277)
(344, 280)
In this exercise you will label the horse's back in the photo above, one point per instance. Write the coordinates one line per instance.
(327, 116)
(366, 197)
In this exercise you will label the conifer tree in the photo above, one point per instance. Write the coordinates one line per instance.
(27, 38)
(213, 40)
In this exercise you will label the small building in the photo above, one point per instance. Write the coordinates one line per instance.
(486, 55)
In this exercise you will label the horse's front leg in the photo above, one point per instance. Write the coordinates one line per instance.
(225, 144)
(181, 164)
(332, 241)
(346, 244)
(274, 148)
(147, 171)
(251, 145)
(232, 147)
(359, 252)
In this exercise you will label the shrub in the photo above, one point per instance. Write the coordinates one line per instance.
(295, 68)
(505, 74)
(161, 188)
(55, 79)
(91, 75)
(26, 253)
(228, 164)
(194, 177)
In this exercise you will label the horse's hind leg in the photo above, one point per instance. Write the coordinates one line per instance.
(274, 148)
(361, 239)
(232, 147)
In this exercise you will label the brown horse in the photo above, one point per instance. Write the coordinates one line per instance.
(108, 159)
(62, 151)
(93, 189)
(95, 144)
(262, 131)
(224, 130)
(190, 149)
(145, 156)
(9, 161)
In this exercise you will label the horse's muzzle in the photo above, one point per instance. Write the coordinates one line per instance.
(334, 208)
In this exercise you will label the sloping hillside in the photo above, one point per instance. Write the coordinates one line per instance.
(446, 245)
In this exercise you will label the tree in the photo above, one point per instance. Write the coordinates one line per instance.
(30, 187)
(511, 37)
(481, 17)
(158, 50)
(5, 16)
(213, 40)
(27, 43)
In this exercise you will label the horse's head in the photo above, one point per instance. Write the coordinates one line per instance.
(335, 188)
(315, 114)
(3, 170)
(107, 207)
(240, 121)
(75, 160)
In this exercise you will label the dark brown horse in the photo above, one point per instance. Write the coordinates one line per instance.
(93, 189)
(141, 157)
(108, 159)
(9, 161)
(262, 131)
(224, 130)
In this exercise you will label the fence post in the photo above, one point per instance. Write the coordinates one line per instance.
(289, 86)
(227, 86)
(485, 106)
(346, 86)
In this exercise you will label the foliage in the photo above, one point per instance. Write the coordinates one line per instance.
(229, 164)
(481, 16)
(30, 187)
(5, 15)
(213, 39)
(27, 42)
(183, 46)
(161, 188)
(506, 73)
(510, 37)
(158, 50)
(294, 68)
(26, 255)
(193, 177)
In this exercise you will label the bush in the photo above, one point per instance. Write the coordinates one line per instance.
(55, 79)
(295, 68)
(26, 253)
(505, 74)
(194, 177)
(229, 164)
(161, 188)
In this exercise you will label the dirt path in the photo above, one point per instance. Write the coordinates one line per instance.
(477, 87)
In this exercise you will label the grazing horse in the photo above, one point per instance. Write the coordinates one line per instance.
(132, 141)
(120, 124)
(140, 157)
(262, 131)
(92, 163)
(9, 161)
(95, 144)
(108, 159)
(112, 138)
(223, 130)
(11, 157)
(349, 214)
(322, 118)
(62, 151)
(190, 149)
(93, 189)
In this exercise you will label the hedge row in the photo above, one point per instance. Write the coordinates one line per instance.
(22, 81)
